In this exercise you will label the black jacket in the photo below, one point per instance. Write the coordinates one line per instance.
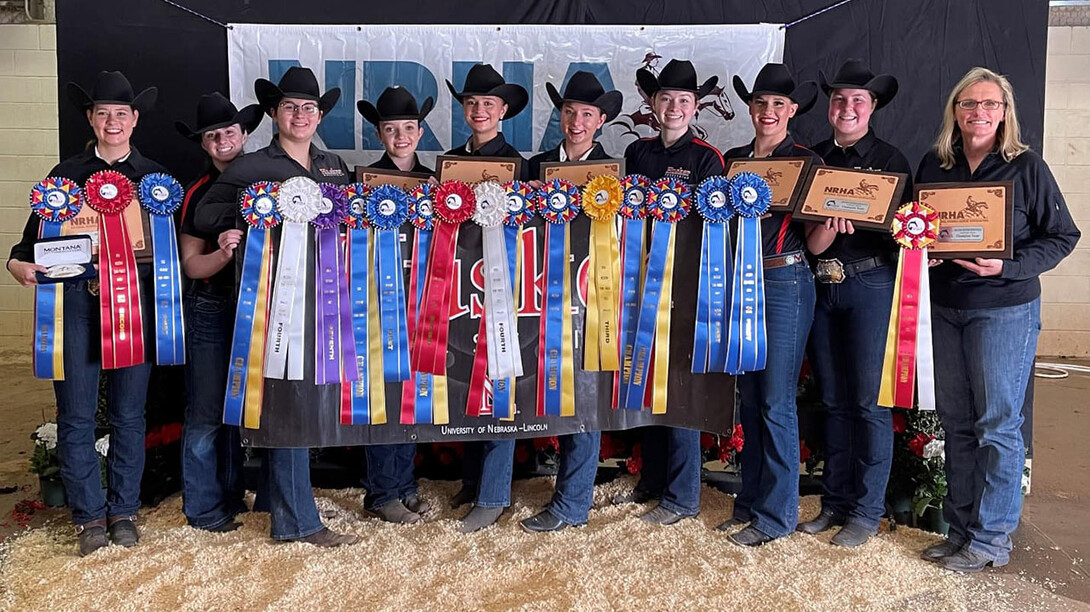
(385, 163)
(553, 155)
(497, 147)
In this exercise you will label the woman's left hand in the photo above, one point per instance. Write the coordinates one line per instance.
(982, 267)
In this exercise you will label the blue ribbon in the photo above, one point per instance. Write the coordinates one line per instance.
(709, 338)
(161, 195)
(423, 383)
(747, 342)
(645, 328)
(359, 265)
(244, 322)
(554, 314)
(632, 260)
(388, 208)
(45, 315)
(502, 390)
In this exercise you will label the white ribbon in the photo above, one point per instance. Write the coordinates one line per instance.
(925, 357)
(501, 329)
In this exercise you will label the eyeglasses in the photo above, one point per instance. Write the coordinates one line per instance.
(309, 108)
(988, 105)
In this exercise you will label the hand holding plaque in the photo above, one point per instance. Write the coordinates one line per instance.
(581, 172)
(867, 198)
(784, 175)
(975, 217)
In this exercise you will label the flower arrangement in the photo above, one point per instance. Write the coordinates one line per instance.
(45, 462)
(919, 460)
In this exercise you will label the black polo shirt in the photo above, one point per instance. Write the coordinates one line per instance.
(870, 153)
(779, 232)
(387, 163)
(222, 282)
(78, 168)
(497, 147)
(216, 212)
(1044, 232)
(553, 156)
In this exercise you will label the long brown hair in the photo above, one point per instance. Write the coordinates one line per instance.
(1008, 136)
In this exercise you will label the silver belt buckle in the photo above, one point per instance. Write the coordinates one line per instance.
(830, 271)
(92, 286)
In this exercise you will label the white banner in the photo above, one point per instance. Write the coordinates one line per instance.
(365, 59)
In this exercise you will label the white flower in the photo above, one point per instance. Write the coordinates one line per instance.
(46, 434)
(102, 445)
(1025, 482)
(934, 448)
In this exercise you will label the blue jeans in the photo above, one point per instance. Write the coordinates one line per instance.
(291, 500)
(574, 493)
(847, 344)
(983, 361)
(770, 424)
(389, 474)
(77, 400)
(487, 469)
(671, 468)
(211, 451)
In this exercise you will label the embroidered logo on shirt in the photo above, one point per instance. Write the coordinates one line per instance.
(682, 174)
(331, 171)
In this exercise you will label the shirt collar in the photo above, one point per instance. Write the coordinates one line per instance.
(583, 157)
(784, 149)
(489, 148)
(125, 158)
(862, 146)
(277, 150)
(681, 143)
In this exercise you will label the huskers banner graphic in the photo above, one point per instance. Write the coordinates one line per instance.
(363, 60)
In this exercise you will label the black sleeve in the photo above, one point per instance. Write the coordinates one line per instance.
(711, 164)
(899, 163)
(215, 213)
(524, 170)
(1054, 231)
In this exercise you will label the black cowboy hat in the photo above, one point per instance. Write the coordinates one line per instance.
(214, 111)
(299, 83)
(483, 80)
(774, 79)
(394, 104)
(584, 87)
(854, 74)
(111, 88)
(678, 75)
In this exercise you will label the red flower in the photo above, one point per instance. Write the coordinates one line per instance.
(608, 448)
(804, 451)
(172, 432)
(725, 453)
(637, 451)
(916, 444)
(900, 423)
(541, 444)
(633, 465)
(706, 441)
(522, 454)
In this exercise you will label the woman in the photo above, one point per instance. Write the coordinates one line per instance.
(855, 273)
(297, 107)
(99, 515)
(486, 469)
(392, 493)
(769, 500)
(986, 317)
(585, 106)
(671, 455)
(212, 486)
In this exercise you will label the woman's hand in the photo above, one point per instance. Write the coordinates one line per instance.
(931, 263)
(229, 240)
(23, 272)
(981, 266)
(839, 225)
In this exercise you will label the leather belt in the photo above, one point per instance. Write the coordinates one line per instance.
(833, 271)
(780, 261)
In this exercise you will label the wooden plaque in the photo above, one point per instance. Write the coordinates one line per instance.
(473, 170)
(404, 180)
(974, 219)
(867, 198)
(136, 221)
(580, 172)
(785, 175)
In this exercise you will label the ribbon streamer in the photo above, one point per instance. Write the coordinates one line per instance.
(109, 193)
(300, 201)
(602, 197)
(387, 209)
(55, 200)
(245, 383)
(633, 256)
(332, 345)
(712, 319)
(355, 392)
(747, 340)
(559, 205)
(908, 363)
(161, 195)
(501, 331)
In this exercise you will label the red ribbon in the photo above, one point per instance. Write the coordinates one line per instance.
(905, 364)
(475, 400)
(408, 389)
(122, 338)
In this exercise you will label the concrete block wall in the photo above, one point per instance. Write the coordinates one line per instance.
(28, 150)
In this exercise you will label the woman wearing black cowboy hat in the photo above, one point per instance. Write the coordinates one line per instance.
(487, 99)
(212, 487)
(392, 493)
(855, 273)
(113, 110)
(297, 106)
(584, 108)
(769, 500)
(671, 455)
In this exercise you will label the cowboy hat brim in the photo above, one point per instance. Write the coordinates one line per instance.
(805, 94)
(649, 84)
(370, 113)
(248, 119)
(83, 100)
(609, 103)
(269, 95)
(884, 87)
(514, 96)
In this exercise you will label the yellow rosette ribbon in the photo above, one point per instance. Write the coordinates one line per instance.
(602, 198)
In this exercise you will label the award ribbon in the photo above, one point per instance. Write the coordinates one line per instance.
(501, 331)
(423, 396)
(750, 197)
(387, 209)
(908, 363)
(161, 195)
(55, 200)
(522, 200)
(300, 201)
(668, 202)
(709, 338)
(454, 203)
(330, 337)
(245, 383)
(633, 242)
(109, 193)
(559, 204)
(602, 197)
(355, 396)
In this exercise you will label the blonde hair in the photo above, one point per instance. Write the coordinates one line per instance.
(1008, 136)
